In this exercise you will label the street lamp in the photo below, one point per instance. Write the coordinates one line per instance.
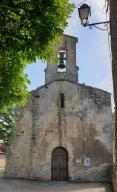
(84, 13)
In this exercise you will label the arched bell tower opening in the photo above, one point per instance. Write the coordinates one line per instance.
(62, 61)
(59, 164)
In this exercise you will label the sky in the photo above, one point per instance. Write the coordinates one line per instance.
(93, 52)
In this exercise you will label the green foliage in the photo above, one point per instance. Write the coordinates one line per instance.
(28, 29)
(7, 125)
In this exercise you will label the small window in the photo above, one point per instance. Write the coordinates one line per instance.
(62, 100)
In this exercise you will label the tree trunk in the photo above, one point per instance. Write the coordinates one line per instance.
(113, 26)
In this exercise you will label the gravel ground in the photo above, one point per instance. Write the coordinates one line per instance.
(15, 185)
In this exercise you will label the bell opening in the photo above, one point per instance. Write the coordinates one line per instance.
(62, 60)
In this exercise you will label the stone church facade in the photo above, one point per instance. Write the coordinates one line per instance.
(65, 130)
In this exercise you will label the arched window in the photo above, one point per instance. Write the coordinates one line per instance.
(62, 100)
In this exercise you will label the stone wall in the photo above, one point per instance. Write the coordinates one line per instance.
(83, 127)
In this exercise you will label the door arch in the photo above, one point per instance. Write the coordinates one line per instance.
(59, 164)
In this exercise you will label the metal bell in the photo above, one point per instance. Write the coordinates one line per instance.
(61, 59)
(61, 64)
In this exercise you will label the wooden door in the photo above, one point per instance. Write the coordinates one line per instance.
(59, 165)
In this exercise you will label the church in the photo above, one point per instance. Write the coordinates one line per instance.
(64, 133)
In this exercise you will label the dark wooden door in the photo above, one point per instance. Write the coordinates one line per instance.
(59, 165)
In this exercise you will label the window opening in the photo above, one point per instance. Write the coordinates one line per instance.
(62, 101)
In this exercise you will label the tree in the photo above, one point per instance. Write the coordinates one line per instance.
(28, 28)
(7, 125)
(113, 27)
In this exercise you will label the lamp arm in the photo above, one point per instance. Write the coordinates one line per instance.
(99, 28)
(99, 23)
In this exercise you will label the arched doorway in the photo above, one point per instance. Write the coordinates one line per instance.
(59, 164)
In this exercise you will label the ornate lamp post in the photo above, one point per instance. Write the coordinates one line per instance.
(84, 13)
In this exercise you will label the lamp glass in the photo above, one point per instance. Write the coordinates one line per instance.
(84, 12)
(84, 22)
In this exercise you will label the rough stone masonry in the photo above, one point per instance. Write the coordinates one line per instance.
(65, 130)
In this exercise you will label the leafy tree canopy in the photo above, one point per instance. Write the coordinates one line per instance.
(28, 28)
(7, 125)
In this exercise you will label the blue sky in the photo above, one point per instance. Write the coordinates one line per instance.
(93, 54)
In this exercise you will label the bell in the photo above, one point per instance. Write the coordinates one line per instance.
(62, 54)
(61, 64)
(61, 59)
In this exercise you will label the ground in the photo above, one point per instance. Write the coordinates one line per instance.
(16, 185)
(9, 185)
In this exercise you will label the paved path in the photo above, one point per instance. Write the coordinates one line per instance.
(13, 185)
